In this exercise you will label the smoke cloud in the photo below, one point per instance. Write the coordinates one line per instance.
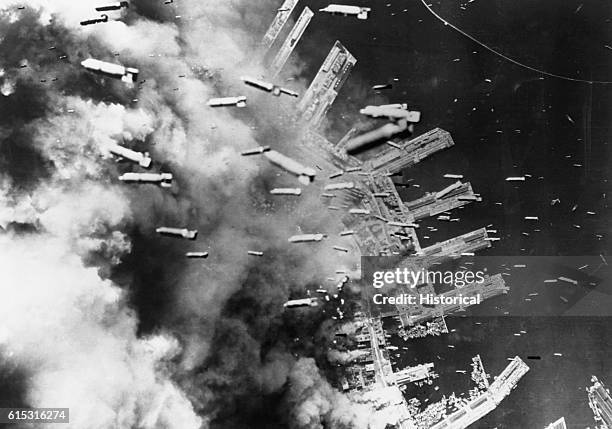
(72, 333)
(315, 404)
(102, 315)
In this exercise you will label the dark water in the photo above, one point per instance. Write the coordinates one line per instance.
(516, 124)
(553, 387)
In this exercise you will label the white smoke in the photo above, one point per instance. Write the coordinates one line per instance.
(79, 342)
(317, 405)
(67, 327)
(81, 345)
(75, 205)
(345, 357)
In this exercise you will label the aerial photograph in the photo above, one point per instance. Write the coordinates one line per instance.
(305, 214)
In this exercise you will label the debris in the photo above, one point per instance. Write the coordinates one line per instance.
(269, 87)
(239, 101)
(142, 159)
(177, 232)
(363, 141)
(395, 112)
(255, 151)
(305, 174)
(162, 179)
(345, 10)
(339, 186)
(306, 302)
(117, 71)
(113, 6)
(306, 238)
(103, 18)
(197, 255)
(286, 191)
(470, 198)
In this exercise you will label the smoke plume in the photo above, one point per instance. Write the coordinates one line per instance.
(102, 315)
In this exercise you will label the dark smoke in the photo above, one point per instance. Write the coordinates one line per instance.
(119, 319)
